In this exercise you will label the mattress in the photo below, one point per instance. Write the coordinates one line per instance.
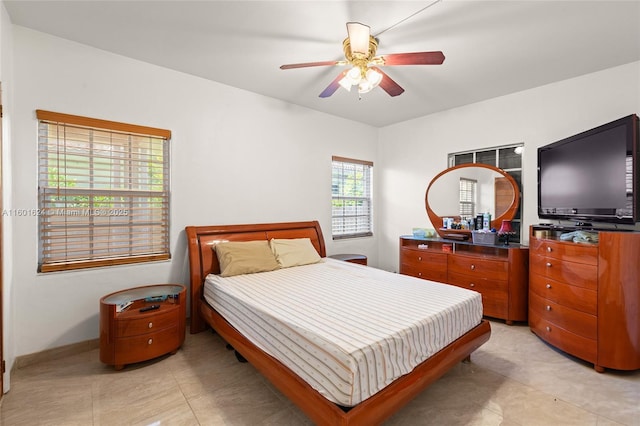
(348, 330)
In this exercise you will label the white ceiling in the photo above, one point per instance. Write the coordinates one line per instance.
(492, 48)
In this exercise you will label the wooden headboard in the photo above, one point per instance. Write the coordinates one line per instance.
(203, 260)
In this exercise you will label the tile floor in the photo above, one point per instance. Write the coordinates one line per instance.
(514, 379)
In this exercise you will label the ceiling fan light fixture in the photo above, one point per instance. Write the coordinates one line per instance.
(345, 83)
(354, 75)
(358, 38)
(371, 81)
(374, 77)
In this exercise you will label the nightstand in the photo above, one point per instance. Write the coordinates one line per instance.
(353, 258)
(130, 333)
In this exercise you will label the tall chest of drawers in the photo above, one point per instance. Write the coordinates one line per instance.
(584, 298)
(498, 272)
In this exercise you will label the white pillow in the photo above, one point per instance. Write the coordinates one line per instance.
(294, 252)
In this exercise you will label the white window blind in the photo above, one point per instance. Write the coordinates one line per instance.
(351, 200)
(103, 192)
(467, 197)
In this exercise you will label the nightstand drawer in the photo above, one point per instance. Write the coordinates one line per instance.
(133, 349)
(148, 323)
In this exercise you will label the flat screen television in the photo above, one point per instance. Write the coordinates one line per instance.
(592, 176)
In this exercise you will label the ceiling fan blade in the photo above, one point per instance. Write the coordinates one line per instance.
(333, 86)
(417, 58)
(388, 84)
(358, 37)
(311, 64)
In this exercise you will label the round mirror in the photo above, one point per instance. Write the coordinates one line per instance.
(493, 191)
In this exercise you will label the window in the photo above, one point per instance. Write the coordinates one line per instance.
(103, 192)
(351, 202)
(467, 197)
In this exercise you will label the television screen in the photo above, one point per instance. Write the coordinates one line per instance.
(590, 176)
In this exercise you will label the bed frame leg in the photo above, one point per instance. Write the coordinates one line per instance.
(239, 357)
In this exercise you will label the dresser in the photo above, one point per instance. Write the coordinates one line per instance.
(584, 298)
(498, 272)
(141, 323)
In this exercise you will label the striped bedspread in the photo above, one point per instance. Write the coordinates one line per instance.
(346, 329)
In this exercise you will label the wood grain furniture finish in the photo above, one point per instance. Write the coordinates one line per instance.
(132, 336)
(374, 410)
(499, 273)
(360, 259)
(585, 298)
(506, 194)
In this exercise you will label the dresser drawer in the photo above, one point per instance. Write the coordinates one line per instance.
(578, 274)
(418, 258)
(429, 265)
(495, 295)
(425, 273)
(143, 324)
(565, 340)
(580, 298)
(133, 349)
(479, 267)
(565, 251)
(577, 322)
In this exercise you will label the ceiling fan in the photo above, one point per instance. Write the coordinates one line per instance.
(360, 52)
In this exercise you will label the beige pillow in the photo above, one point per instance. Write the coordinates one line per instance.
(245, 257)
(294, 252)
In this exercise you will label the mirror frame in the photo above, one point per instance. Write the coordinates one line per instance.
(437, 222)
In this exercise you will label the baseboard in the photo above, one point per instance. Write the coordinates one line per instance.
(55, 353)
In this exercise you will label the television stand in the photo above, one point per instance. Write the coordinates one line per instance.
(583, 297)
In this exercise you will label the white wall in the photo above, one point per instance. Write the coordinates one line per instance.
(413, 152)
(237, 157)
(6, 77)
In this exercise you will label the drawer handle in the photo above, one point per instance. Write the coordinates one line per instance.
(548, 285)
(473, 267)
(548, 264)
(548, 308)
(150, 325)
(549, 249)
(548, 328)
(472, 285)
(419, 257)
(150, 341)
(419, 274)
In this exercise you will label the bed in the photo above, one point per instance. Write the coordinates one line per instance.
(373, 409)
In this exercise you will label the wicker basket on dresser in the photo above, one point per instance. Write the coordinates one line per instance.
(585, 298)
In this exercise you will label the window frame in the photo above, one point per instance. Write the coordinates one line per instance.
(338, 221)
(467, 197)
(58, 202)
